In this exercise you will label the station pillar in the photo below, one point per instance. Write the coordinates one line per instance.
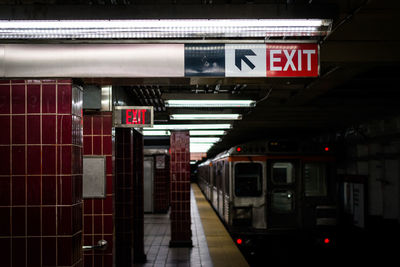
(129, 217)
(98, 212)
(181, 234)
(40, 173)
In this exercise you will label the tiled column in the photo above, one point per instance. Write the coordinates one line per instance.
(138, 205)
(161, 185)
(181, 234)
(98, 213)
(128, 197)
(40, 173)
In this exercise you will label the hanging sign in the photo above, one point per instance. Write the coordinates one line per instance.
(252, 60)
(133, 117)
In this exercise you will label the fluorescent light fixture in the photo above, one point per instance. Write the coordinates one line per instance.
(205, 117)
(205, 133)
(188, 126)
(156, 133)
(210, 103)
(161, 28)
(200, 147)
(192, 162)
(192, 132)
(194, 140)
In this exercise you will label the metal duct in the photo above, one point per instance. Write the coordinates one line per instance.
(91, 60)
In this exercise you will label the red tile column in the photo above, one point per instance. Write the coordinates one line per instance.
(129, 246)
(40, 173)
(181, 234)
(98, 213)
(138, 205)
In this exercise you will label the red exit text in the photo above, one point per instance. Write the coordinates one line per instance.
(135, 116)
(292, 60)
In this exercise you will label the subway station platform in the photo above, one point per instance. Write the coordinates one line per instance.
(212, 245)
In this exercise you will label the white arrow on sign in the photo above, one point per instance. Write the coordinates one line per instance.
(245, 60)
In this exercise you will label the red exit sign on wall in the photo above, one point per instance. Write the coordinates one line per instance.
(135, 117)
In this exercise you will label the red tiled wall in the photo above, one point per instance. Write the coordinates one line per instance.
(98, 213)
(181, 233)
(128, 197)
(40, 173)
(161, 186)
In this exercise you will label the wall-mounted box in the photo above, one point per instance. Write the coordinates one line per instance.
(94, 177)
(91, 97)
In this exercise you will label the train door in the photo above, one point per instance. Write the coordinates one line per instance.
(319, 208)
(283, 194)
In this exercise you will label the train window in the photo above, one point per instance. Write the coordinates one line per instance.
(227, 180)
(214, 177)
(315, 179)
(248, 179)
(282, 173)
(218, 176)
(282, 201)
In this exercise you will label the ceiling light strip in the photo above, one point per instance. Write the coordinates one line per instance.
(202, 140)
(200, 147)
(149, 132)
(205, 117)
(178, 103)
(188, 126)
(183, 28)
(207, 133)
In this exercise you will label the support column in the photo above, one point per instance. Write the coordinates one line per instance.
(181, 234)
(138, 207)
(129, 220)
(40, 173)
(98, 212)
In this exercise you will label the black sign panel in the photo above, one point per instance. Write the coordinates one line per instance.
(134, 117)
(204, 60)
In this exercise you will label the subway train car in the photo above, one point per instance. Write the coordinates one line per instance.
(273, 190)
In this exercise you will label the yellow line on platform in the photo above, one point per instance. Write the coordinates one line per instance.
(223, 251)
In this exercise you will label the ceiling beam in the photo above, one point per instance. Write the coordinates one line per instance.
(362, 51)
(169, 11)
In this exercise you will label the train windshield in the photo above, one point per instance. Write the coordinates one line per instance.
(248, 179)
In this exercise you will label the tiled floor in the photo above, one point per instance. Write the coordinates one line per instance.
(157, 234)
(212, 245)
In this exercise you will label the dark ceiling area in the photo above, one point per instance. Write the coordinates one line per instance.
(359, 65)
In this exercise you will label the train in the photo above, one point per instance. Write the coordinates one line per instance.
(273, 190)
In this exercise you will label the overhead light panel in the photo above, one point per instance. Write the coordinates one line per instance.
(200, 147)
(199, 140)
(162, 28)
(156, 133)
(188, 126)
(173, 103)
(192, 132)
(205, 117)
(205, 132)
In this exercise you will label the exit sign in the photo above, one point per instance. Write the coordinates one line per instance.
(133, 117)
